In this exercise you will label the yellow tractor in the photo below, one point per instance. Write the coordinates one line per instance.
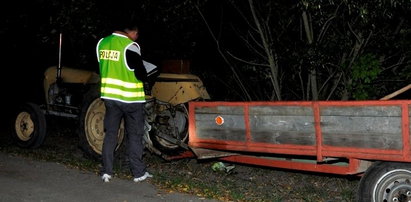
(74, 93)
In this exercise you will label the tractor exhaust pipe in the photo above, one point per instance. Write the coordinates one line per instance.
(59, 64)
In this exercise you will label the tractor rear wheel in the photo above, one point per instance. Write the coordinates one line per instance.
(29, 126)
(172, 123)
(91, 132)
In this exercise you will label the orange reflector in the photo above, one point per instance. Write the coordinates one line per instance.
(219, 120)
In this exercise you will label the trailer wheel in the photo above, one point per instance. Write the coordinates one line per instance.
(29, 126)
(386, 182)
(91, 132)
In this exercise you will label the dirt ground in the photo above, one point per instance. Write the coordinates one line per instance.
(189, 175)
(24, 179)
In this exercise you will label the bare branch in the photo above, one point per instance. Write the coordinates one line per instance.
(355, 34)
(308, 87)
(249, 45)
(243, 16)
(368, 39)
(256, 41)
(327, 24)
(400, 62)
(247, 62)
(301, 80)
(334, 87)
(237, 78)
(397, 30)
(308, 28)
(324, 29)
(326, 81)
(272, 57)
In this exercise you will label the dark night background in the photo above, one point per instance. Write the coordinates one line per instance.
(30, 34)
(243, 50)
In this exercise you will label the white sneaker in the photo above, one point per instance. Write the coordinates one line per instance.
(106, 177)
(142, 178)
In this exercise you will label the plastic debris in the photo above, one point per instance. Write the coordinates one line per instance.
(221, 167)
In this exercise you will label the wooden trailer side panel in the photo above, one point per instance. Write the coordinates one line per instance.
(233, 128)
(373, 130)
(376, 127)
(282, 125)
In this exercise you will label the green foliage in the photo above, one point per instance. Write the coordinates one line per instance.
(364, 72)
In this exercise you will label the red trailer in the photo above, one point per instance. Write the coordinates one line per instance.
(366, 138)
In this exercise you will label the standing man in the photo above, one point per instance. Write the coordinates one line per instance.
(122, 75)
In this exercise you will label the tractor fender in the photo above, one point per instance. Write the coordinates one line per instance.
(68, 75)
(178, 88)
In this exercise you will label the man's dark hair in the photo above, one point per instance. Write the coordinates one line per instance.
(126, 25)
(130, 27)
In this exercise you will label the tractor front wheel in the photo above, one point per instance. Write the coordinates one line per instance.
(29, 126)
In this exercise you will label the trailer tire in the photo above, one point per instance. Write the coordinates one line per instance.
(386, 181)
(91, 134)
(29, 126)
